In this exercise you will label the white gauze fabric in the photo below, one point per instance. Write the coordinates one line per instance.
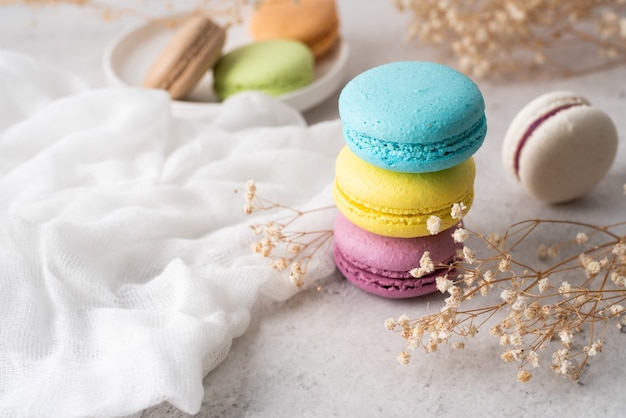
(125, 258)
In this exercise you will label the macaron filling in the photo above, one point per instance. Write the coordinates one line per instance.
(406, 156)
(533, 127)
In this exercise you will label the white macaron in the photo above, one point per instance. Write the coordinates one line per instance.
(559, 146)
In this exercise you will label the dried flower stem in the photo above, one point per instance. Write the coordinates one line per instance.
(230, 12)
(503, 37)
(537, 313)
(298, 247)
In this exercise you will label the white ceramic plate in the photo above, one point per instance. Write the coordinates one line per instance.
(129, 55)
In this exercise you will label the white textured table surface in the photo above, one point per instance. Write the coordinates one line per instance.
(325, 352)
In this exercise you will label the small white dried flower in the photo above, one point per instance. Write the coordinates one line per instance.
(594, 350)
(553, 251)
(256, 229)
(433, 224)
(390, 323)
(619, 277)
(509, 296)
(496, 331)
(524, 376)
(565, 289)
(494, 239)
(592, 268)
(532, 311)
(520, 303)
(533, 358)
(250, 190)
(567, 338)
(248, 208)
(472, 331)
(280, 264)
(469, 278)
(426, 266)
(468, 255)
(560, 362)
(505, 263)
(404, 358)
(619, 248)
(514, 354)
(460, 235)
(458, 345)
(517, 339)
(296, 275)
(295, 248)
(458, 211)
(544, 284)
(431, 347)
(581, 238)
(508, 356)
(443, 283)
(616, 309)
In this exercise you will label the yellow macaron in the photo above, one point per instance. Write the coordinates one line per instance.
(399, 204)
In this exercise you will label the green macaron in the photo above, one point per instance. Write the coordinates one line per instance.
(274, 67)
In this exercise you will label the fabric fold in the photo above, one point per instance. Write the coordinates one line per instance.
(125, 258)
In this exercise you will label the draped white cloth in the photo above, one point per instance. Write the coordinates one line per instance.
(125, 258)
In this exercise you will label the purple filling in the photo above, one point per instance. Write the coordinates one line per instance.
(533, 126)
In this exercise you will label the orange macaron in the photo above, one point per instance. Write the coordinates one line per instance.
(313, 22)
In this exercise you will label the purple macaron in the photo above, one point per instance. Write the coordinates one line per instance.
(381, 265)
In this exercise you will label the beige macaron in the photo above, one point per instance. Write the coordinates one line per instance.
(193, 50)
(559, 146)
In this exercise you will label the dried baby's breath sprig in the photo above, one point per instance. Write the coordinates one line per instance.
(564, 300)
(288, 249)
(503, 37)
(228, 12)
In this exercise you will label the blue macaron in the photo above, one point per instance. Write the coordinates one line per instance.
(413, 116)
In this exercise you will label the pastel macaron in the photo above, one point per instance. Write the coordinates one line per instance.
(399, 204)
(381, 265)
(413, 116)
(314, 22)
(559, 146)
(192, 51)
(274, 67)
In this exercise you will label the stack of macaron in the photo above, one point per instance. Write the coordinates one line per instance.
(411, 129)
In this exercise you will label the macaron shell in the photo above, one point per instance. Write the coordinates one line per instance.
(418, 158)
(533, 111)
(314, 22)
(442, 102)
(193, 50)
(568, 154)
(274, 67)
(399, 204)
(392, 288)
(391, 254)
(413, 116)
